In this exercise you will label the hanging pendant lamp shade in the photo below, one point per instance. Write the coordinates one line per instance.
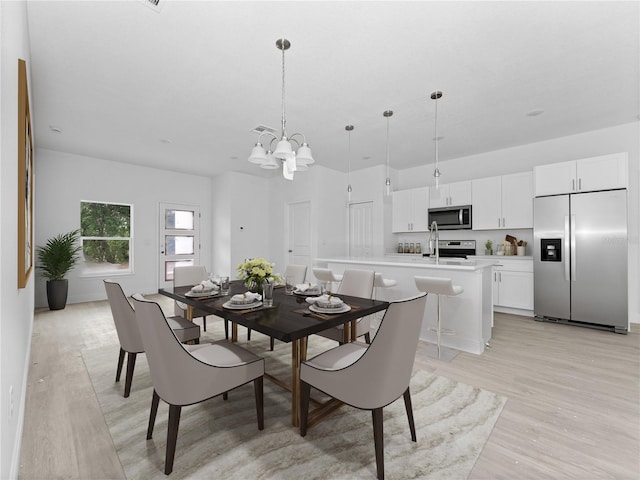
(387, 182)
(436, 172)
(349, 129)
(284, 154)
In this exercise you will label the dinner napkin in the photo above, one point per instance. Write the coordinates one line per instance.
(247, 297)
(203, 286)
(302, 287)
(325, 299)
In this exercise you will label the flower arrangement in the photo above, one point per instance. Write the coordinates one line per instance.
(255, 272)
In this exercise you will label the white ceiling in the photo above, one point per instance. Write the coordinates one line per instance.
(182, 88)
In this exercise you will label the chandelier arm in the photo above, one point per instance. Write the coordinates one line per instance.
(267, 133)
(304, 140)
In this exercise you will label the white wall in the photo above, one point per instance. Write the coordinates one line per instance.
(16, 305)
(64, 179)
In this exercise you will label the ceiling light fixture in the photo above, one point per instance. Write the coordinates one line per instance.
(436, 173)
(291, 160)
(349, 129)
(387, 182)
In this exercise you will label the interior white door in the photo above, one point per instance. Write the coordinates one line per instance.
(361, 229)
(179, 239)
(299, 249)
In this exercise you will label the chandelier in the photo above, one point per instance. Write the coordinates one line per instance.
(436, 173)
(291, 159)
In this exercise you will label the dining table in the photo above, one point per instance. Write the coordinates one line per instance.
(289, 320)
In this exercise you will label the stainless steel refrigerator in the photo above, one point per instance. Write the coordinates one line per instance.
(580, 259)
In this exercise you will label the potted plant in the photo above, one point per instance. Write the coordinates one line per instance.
(488, 247)
(57, 258)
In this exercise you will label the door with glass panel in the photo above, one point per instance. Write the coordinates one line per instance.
(179, 239)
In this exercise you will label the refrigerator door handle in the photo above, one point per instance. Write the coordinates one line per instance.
(573, 248)
(567, 234)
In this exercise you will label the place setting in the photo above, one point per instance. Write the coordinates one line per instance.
(324, 306)
(244, 301)
(203, 290)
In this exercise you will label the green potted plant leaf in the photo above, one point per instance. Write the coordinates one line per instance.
(56, 259)
(488, 247)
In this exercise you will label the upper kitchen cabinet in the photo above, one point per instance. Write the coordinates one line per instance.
(585, 175)
(409, 210)
(450, 194)
(503, 202)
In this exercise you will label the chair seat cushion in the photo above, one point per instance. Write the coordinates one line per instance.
(339, 357)
(184, 329)
(224, 354)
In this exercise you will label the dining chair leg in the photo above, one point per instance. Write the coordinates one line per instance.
(378, 440)
(367, 338)
(248, 334)
(131, 364)
(271, 343)
(225, 396)
(305, 393)
(172, 437)
(258, 387)
(152, 414)
(204, 323)
(120, 363)
(226, 329)
(409, 408)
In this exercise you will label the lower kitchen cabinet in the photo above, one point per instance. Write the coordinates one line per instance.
(513, 285)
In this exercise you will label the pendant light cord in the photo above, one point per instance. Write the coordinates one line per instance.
(284, 121)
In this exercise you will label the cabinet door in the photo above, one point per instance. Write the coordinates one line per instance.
(439, 197)
(401, 211)
(515, 289)
(555, 178)
(460, 193)
(487, 203)
(420, 202)
(517, 200)
(602, 173)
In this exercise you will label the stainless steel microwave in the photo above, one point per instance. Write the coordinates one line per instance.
(451, 218)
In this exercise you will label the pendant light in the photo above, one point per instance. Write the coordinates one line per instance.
(436, 173)
(387, 182)
(284, 153)
(349, 129)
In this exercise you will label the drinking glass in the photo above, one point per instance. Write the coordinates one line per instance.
(289, 284)
(267, 294)
(224, 285)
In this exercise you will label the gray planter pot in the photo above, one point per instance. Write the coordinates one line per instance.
(57, 293)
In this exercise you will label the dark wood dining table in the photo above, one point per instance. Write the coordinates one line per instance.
(288, 320)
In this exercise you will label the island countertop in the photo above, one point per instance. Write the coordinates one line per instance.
(414, 261)
(468, 317)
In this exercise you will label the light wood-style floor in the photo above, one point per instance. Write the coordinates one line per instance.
(573, 408)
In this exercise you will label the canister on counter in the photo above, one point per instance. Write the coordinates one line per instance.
(400, 248)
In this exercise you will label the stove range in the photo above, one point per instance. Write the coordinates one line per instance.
(455, 248)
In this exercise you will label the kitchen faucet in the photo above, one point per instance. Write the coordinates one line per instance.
(436, 249)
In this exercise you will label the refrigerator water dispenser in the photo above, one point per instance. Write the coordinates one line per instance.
(550, 250)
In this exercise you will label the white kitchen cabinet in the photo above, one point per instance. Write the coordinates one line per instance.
(409, 210)
(604, 172)
(513, 284)
(450, 194)
(503, 202)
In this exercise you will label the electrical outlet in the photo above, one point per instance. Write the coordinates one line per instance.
(11, 401)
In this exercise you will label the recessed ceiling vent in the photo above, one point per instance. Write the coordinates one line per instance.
(155, 5)
(262, 128)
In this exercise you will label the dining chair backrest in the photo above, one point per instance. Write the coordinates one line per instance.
(189, 275)
(124, 317)
(387, 363)
(297, 272)
(178, 377)
(357, 283)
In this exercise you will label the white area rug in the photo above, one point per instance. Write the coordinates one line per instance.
(219, 439)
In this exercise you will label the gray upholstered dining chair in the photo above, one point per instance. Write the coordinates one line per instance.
(357, 283)
(129, 335)
(189, 275)
(185, 376)
(370, 377)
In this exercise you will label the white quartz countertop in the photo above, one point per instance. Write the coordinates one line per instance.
(415, 261)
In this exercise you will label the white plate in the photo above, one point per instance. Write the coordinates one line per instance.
(200, 294)
(243, 306)
(343, 309)
(307, 293)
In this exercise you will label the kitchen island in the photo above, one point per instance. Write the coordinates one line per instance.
(467, 318)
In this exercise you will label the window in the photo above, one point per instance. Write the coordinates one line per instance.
(106, 237)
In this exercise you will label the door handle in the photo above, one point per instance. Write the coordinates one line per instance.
(567, 234)
(573, 248)
(290, 251)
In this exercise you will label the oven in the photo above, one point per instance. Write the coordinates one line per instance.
(456, 248)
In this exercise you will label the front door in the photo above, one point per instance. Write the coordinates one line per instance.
(179, 236)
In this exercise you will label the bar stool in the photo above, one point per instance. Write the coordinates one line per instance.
(327, 275)
(379, 282)
(438, 286)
